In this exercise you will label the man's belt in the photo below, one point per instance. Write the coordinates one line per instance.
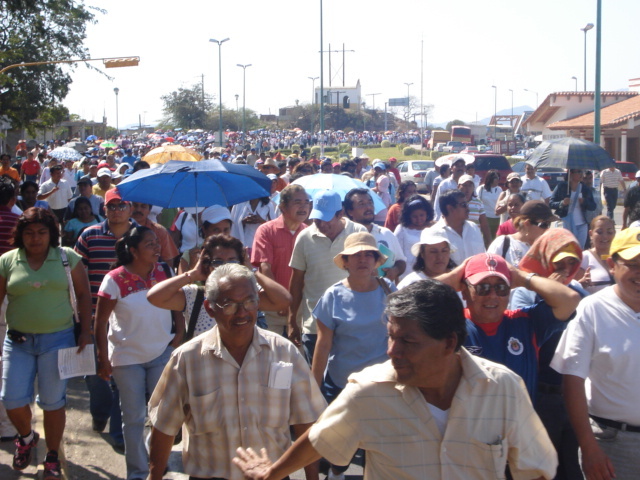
(611, 188)
(625, 427)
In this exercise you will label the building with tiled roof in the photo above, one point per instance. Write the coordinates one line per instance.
(571, 114)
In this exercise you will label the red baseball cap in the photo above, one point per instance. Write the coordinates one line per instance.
(485, 265)
(112, 195)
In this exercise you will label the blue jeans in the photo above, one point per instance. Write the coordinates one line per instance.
(136, 384)
(104, 404)
(37, 356)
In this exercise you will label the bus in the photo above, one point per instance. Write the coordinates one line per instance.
(460, 133)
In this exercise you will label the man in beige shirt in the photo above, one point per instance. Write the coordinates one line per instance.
(431, 411)
(233, 385)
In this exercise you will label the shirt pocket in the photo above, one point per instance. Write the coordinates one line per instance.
(490, 458)
(275, 407)
(205, 413)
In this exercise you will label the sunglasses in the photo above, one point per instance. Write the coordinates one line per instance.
(120, 207)
(217, 263)
(543, 225)
(483, 289)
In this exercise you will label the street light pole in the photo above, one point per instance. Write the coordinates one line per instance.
(536, 93)
(511, 101)
(587, 27)
(220, 42)
(574, 78)
(322, 83)
(117, 91)
(495, 110)
(244, 96)
(408, 97)
(313, 89)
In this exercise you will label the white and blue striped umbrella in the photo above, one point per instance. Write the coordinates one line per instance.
(65, 153)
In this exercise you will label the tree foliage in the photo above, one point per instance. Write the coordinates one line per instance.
(187, 107)
(37, 31)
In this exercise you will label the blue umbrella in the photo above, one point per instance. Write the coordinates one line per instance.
(91, 138)
(338, 183)
(569, 153)
(195, 184)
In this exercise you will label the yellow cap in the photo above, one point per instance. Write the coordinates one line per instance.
(626, 243)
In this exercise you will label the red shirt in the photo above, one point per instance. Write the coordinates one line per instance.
(30, 167)
(506, 228)
(393, 217)
(273, 244)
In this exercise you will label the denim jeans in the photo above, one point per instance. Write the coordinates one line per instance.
(309, 345)
(136, 384)
(36, 357)
(104, 404)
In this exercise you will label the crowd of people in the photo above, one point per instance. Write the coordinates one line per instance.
(474, 332)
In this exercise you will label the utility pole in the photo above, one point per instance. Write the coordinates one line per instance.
(343, 62)
(373, 99)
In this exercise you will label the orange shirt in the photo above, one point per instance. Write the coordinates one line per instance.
(11, 172)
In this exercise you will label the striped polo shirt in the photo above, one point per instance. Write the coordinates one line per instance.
(8, 221)
(97, 247)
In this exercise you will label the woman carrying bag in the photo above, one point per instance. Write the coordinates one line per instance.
(40, 322)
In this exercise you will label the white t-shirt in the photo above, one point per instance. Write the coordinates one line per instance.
(412, 277)
(600, 277)
(138, 331)
(59, 199)
(516, 251)
(535, 188)
(489, 200)
(601, 345)
(444, 187)
(246, 233)
(386, 237)
(407, 237)
(467, 245)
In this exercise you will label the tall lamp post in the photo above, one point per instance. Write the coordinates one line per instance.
(575, 79)
(244, 96)
(117, 91)
(408, 97)
(495, 110)
(219, 42)
(313, 89)
(536, 94)
(587, 27)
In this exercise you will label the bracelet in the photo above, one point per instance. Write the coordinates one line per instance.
(527, 282)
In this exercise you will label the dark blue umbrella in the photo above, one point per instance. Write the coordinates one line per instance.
(195, 184)
(571, 153)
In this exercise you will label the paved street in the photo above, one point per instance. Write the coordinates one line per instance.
(88, 454)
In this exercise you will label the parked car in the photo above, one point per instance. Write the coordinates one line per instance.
(628, 170)
(439, 147)
(415, 170)
(453, 147)
(488, 161)
(471, 149)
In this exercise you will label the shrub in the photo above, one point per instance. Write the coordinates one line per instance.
(295, 146)
(315, 149)
(408, 151)
(385, 144)
(344, 147)
(401, 146)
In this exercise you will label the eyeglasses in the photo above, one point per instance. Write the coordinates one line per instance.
(231, 308)
(121, 207)
(543, 225)
(483, 289)
(217, 263)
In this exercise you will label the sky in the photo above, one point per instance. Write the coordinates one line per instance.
(466, 47)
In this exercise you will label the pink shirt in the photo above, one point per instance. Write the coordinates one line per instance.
(273, 244)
